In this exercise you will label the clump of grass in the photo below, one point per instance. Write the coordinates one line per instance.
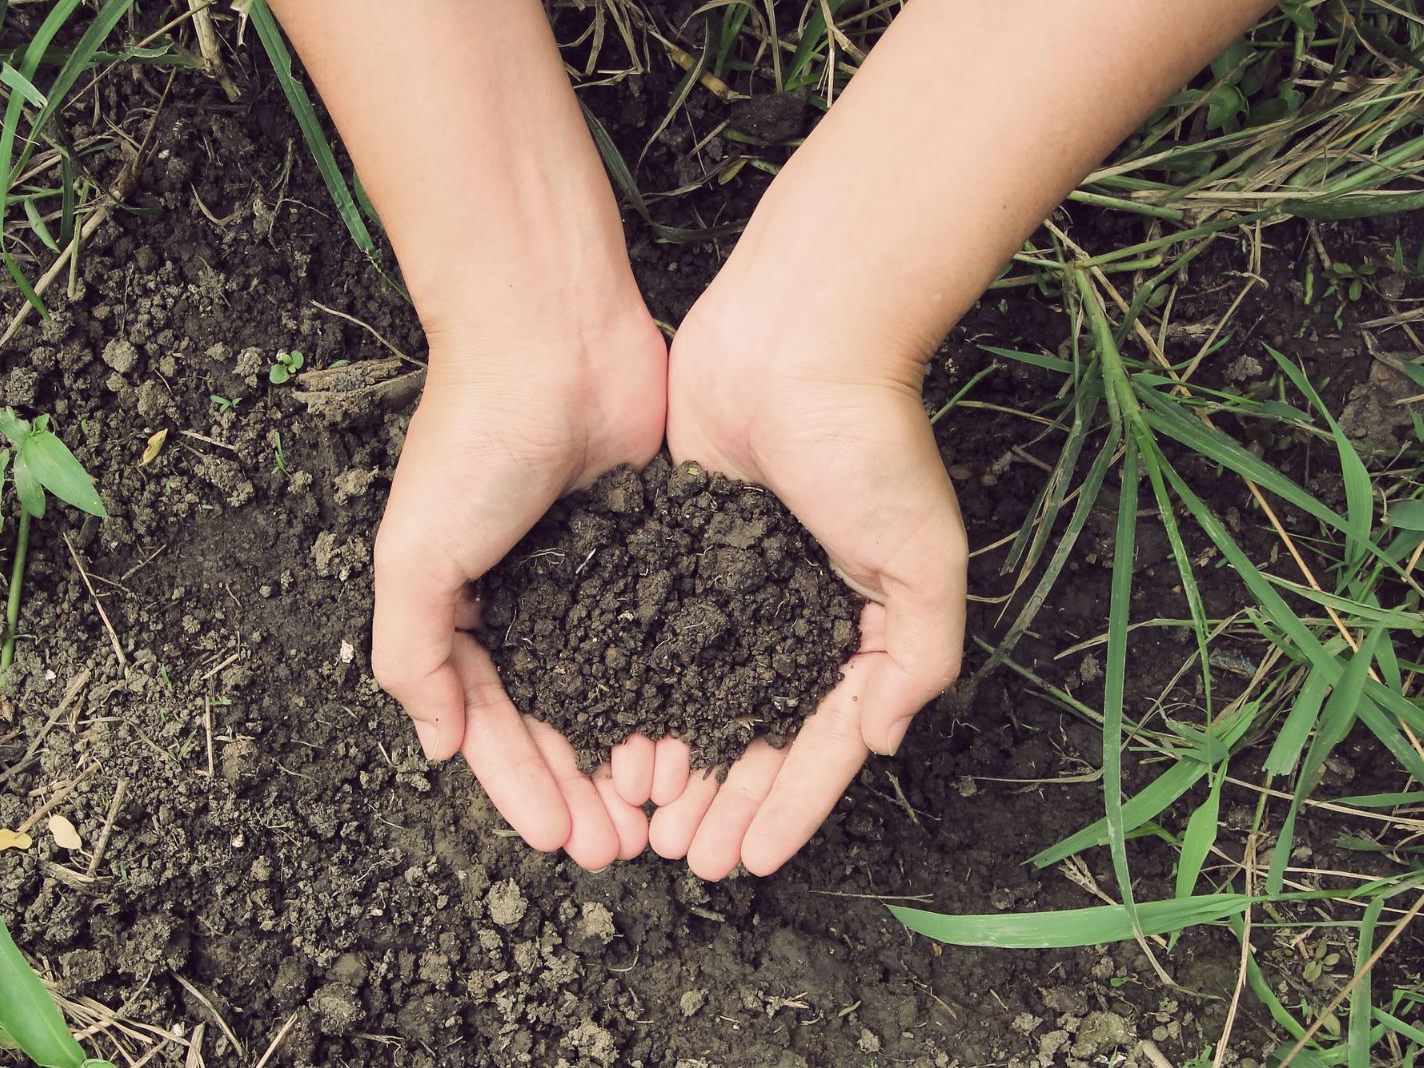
(38, 463)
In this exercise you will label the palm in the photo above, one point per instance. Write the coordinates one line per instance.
(483, 460)
(857, 464)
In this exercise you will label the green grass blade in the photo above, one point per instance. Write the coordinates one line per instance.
(1153, 460)
(1359, 495)
(1164, 416)
(1199, 837)
(1115, 675)
(80, 57)
(812, 37)
(1358, 1035)
(29, 63)
(23, 283)
(29, 1014)
(1405, 797)
(22, 85)
(1300, 721)
(1336, 719)
(1155, 797)
(37, 224)
(1066, 928)
(615, 163)
(312, 133)
(1033, 359)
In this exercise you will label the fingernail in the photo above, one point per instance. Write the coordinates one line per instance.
(895, 735)
(428, 736)
(599, 871)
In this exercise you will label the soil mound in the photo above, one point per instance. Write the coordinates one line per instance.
(669, 601)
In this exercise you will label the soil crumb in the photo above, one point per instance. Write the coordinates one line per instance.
(674, 602)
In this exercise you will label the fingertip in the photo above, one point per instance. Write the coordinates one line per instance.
(628, 820)
(672, 764)
(760, 857)
(632, 764)
(437, 709)
(674, 825)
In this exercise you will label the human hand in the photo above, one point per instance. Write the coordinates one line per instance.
(510, 420)
(844, 442)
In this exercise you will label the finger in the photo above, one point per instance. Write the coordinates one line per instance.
(632, 763)
(923, 629)
(411, 635)
(468, 609)
(672, 763)
(593, 841)
(503, 756)
(821, 761)
(672, 827)
(628, 820)
(717, 846)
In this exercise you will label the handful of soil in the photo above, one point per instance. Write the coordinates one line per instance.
(669, 602)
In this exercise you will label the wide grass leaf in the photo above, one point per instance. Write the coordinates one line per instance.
(28, 1013)
(58, 470)
(1065, 928)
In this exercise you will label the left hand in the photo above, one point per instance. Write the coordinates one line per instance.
(849, 450)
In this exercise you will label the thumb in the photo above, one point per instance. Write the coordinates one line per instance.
(922, 628)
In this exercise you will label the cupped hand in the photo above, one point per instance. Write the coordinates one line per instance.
(507, 424)
(845, 443)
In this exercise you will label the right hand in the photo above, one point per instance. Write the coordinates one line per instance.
(510, 420)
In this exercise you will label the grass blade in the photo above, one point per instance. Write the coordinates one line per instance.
(1332, 728)
(95, 34)
(29, 63)
(1066, 928)
(312, 133)
(1115, 675)
(28, 1013)
(1200, 836)
(1358, 1041)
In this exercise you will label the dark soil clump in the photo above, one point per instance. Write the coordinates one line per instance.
(669, 602)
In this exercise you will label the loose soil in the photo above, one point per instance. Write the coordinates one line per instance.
(669, 602)
(267, 855)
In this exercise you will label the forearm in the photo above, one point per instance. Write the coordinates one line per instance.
(968, 122)
(468, 140)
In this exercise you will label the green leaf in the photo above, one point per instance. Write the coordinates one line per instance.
(278, 374)
(23, 283)
(1066, 928)
(1358, 1035)
(1115, 674)
(61, 473)
(1295, 731)
(22, 85)
(1200, 836)
(28, 1014)
(1223, 104)
(1407, 515)
(12, 426)
(28, 489)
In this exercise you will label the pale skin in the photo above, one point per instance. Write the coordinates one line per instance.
(799, 368)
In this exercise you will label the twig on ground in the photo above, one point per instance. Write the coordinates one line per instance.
(102, 842)
(108, 626)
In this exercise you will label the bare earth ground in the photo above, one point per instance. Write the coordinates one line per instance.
(320, 874)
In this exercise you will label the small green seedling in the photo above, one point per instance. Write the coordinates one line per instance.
(39, 463)
(29, 1019)
(287, 365)
(224, 404)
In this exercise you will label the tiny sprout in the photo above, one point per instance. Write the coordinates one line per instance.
(287, 365)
